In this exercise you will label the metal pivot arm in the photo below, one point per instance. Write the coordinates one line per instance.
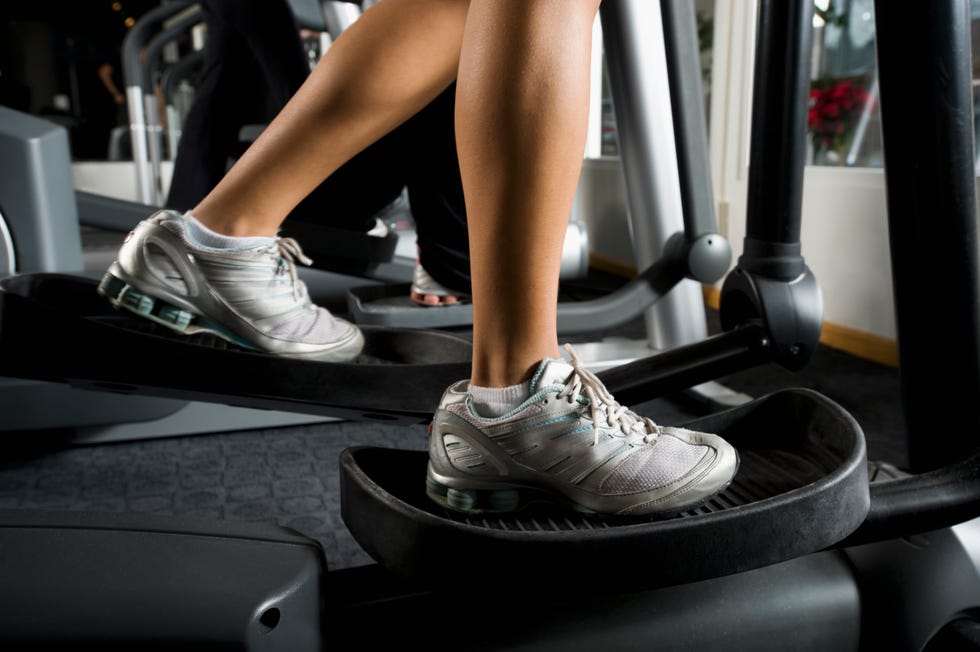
(647, 142)
(652, 56)
(703, 259)
(687, 110)
(791, 312)
(771, 283)
(689, 365)
(643, 140)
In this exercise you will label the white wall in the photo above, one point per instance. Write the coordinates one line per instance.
(845, 244)
(116, 179)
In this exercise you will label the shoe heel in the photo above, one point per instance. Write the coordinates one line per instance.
(126, 296)
(175, 317)
(136, 301)
(473, 501)
(110, 286)
(122, 294)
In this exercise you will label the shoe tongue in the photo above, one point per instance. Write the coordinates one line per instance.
(550, 372)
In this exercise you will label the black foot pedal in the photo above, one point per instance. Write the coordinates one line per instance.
(392, 305)
(802, 486)
(399, 377)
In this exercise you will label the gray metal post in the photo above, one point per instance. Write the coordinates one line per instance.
(132, 56)
(636, 58)
(36, 196)
(154, 132)
(338, 16)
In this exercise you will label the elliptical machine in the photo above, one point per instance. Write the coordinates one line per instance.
(811, 549)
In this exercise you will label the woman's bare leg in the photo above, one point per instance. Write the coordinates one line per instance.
(396, 58)
(498, 443)
(521, 122)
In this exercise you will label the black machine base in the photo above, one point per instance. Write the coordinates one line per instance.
(802, 487)
(152, 582)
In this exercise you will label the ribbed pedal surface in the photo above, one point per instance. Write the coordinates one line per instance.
(762, 474)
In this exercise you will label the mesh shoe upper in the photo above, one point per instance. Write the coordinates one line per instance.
(255, 292)
(572, 438)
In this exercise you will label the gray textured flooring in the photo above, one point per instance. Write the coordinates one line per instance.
(286, 475)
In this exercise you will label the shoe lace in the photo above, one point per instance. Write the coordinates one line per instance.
(289, 252)
(605, 410)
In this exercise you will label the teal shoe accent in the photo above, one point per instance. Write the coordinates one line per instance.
(462, 500)
(123, 295)
(179, 319)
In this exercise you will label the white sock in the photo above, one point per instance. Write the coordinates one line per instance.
(205, 237)
(495, 401)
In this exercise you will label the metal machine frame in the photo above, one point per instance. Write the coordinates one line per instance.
(809, 561)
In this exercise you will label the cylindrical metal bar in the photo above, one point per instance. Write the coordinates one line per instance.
(930, 185)
(133, 74)
(686, 366)
(154, 131)
(171, 88)
(779, 107)
(690, 124)
(636, 60)
(607, 311)
(921, 503)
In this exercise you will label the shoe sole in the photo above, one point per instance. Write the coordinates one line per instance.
(510, 500)
(122, 295)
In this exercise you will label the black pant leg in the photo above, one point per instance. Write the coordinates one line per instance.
(435, 191)
(271, 34)
(247, 79)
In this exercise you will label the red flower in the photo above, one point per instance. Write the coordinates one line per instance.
(833, 112)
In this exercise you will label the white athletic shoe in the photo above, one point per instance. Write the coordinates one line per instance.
(572, 443)
(252, 297)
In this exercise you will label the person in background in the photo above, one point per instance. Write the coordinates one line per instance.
(254, 61)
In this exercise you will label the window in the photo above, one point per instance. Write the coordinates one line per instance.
(842, 123)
